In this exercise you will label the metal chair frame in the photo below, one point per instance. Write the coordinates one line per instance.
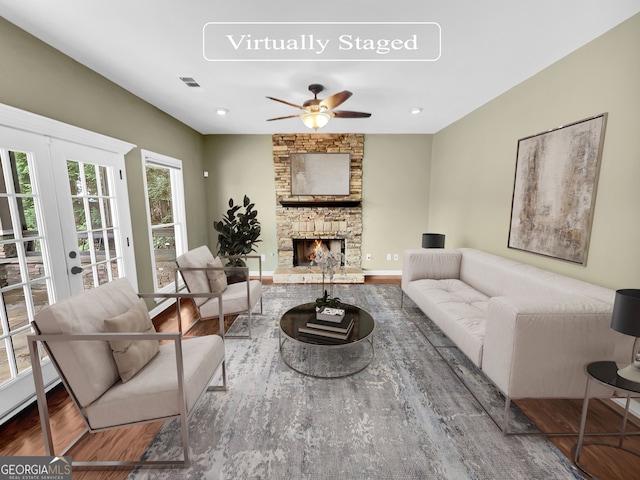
(244, 273)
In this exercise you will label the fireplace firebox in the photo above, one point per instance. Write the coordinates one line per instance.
(304, 249)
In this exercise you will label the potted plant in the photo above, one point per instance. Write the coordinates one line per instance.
(238, 231)
(326, 301)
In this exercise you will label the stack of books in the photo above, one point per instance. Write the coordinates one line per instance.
(329, 324)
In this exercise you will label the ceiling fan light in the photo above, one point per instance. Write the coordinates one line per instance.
(315, 120)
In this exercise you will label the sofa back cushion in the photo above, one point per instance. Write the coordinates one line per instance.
(439, 264)
(498, 276)
(88, 366)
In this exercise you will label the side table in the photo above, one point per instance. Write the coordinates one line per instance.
(606, 373)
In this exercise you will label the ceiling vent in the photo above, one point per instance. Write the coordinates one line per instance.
(190, 82)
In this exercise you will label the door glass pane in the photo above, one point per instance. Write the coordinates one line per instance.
(73, 170)
(5, 370)
(21, 349)
(78, 214)
(6, 225)
(35, 266)
(90, 178)
(107, 213)
(94, 213)
(15, 308)
(104, 184)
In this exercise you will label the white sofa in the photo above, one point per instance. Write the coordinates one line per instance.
(531, 331)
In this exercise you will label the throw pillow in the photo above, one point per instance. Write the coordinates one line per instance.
(132, 355)
(217, 278)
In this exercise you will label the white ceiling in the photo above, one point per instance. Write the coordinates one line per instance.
(488, 47)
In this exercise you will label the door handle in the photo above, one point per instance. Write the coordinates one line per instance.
(76, 270)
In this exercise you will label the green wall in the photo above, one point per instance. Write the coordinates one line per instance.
(473, 160)
(395, 191)
(40, 79)
(242, 165)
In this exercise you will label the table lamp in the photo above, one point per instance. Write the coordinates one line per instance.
(626, 319)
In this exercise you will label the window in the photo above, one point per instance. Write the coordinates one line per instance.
(166, 216)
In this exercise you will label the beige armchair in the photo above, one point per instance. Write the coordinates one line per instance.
(120, 379)
(202, 272)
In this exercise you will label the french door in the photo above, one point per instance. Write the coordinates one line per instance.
(64, 228)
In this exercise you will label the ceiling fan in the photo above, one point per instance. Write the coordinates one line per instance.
(317, 113)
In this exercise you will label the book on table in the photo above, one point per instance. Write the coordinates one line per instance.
(317, 333)
(343, 327)
(330, 314)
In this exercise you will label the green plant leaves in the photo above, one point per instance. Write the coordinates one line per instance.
(239, 230)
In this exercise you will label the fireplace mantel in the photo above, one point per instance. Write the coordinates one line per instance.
(320, 203)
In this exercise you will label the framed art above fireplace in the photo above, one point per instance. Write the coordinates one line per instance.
(325, 174)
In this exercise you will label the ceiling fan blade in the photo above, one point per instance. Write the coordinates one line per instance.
(282, 118)
(287, 103)
(348, 114)
(336, 99)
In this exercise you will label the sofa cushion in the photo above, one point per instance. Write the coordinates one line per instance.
(131, 355)
(459, 311)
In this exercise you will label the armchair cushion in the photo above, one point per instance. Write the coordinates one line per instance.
(196, 280)
(153, 392)
(89, 366)
(217, 278)
(131, 355)
(234, 299)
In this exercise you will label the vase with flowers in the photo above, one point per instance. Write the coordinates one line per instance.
(328, 262)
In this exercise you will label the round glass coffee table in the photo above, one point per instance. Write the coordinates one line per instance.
(326, 358)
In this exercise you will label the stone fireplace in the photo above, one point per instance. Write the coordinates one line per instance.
(333, 219)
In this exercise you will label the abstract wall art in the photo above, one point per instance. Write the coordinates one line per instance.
(555, 189)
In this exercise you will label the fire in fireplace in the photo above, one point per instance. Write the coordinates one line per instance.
(304, 249)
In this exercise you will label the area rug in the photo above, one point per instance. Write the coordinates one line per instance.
(406, 416)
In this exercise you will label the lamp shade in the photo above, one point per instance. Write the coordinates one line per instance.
(626, 312)
(432, 240)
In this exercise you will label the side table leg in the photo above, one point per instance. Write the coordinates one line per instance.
(583, 422)
(624, 420)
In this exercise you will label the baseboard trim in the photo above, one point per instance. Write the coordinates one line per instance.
(383, 273)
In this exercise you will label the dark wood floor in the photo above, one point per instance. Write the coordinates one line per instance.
(22, 436)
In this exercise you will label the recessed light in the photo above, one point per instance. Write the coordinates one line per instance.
(222, 111)
(416, 110)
